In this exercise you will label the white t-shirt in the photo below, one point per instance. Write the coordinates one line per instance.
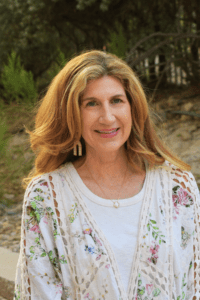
(117, 224)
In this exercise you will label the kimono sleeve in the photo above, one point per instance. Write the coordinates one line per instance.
(38, 273)
(196, 245)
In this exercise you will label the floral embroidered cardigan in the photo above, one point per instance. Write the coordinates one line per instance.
(55, 260)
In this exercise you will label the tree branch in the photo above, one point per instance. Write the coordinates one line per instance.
(188, 113)
(150, 51)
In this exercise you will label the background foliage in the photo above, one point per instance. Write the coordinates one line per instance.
(37, 30)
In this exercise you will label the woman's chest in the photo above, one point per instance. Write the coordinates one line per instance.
(113, 190)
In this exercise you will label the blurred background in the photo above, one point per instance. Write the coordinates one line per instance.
(159, 39)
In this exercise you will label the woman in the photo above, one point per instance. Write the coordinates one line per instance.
(120, 219)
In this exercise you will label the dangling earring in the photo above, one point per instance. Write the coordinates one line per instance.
(79, 149)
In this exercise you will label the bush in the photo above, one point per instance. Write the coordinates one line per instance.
(17, 82)
(117, 43)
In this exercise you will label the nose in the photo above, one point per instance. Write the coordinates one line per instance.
(106, 115)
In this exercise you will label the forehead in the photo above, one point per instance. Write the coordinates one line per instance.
(105, 84)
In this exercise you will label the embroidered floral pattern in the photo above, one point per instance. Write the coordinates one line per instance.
(185, 236)
(146, 291)
(180, 197)
(156, 233)
(183, 284)
(74, 213)
(97, 242)
(154, 253)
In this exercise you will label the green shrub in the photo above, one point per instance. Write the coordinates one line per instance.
(117, 43)
(17, 82)
(57, 66)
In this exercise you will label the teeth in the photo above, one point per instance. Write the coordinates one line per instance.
(107, 131)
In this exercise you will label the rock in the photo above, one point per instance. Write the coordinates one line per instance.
(172, 101)
(192, 152)
(28, 155)
(192, 127)
(15, 209)
(9, 196)
(185, 136)
(187, 106)
(2, 209)
(185, 118)
(17, 140)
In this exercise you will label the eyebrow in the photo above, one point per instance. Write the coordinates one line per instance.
(93, 98)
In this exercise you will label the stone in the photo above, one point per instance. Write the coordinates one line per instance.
(17, 140)
(9, 196)
(185, 118)
(28, 156)
(187, 106)
(185, 136)
(172, 101)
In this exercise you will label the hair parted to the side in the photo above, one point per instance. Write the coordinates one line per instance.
(58, 119)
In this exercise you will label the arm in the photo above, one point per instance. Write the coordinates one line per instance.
(189, 198)
(38, 274)
(196, 245)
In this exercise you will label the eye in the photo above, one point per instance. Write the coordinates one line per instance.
(116, 99)
(89, 103)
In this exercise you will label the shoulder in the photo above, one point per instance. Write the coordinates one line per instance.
(39, 192)
(185, 190)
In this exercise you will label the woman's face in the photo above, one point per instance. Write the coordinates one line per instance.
(104, 106)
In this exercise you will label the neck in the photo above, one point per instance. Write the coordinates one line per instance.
(107, 167)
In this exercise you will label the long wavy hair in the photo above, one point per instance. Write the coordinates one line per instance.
(58, 119)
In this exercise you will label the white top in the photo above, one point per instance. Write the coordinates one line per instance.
(76, 245)
(117, 224)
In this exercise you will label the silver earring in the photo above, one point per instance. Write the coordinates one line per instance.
(79, 149)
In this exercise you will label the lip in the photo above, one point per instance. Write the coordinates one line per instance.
(107, 129)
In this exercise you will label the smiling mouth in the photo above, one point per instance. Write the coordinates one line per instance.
(104, 132)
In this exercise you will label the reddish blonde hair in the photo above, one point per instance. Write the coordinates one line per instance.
(58, 119)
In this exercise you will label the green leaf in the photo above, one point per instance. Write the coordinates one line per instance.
(37, 216)
(160, 242)
(156, 292)
(153, 233)
(33, 204)
(154, 227)
(152, 221)
(142, 291)
(139, 282)
(37, 240)
(175, 188)
(148, 226)
(32, 249)
(43, 254)
(50, 253)
(179, 297)
(183, 295)
(156, 237)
